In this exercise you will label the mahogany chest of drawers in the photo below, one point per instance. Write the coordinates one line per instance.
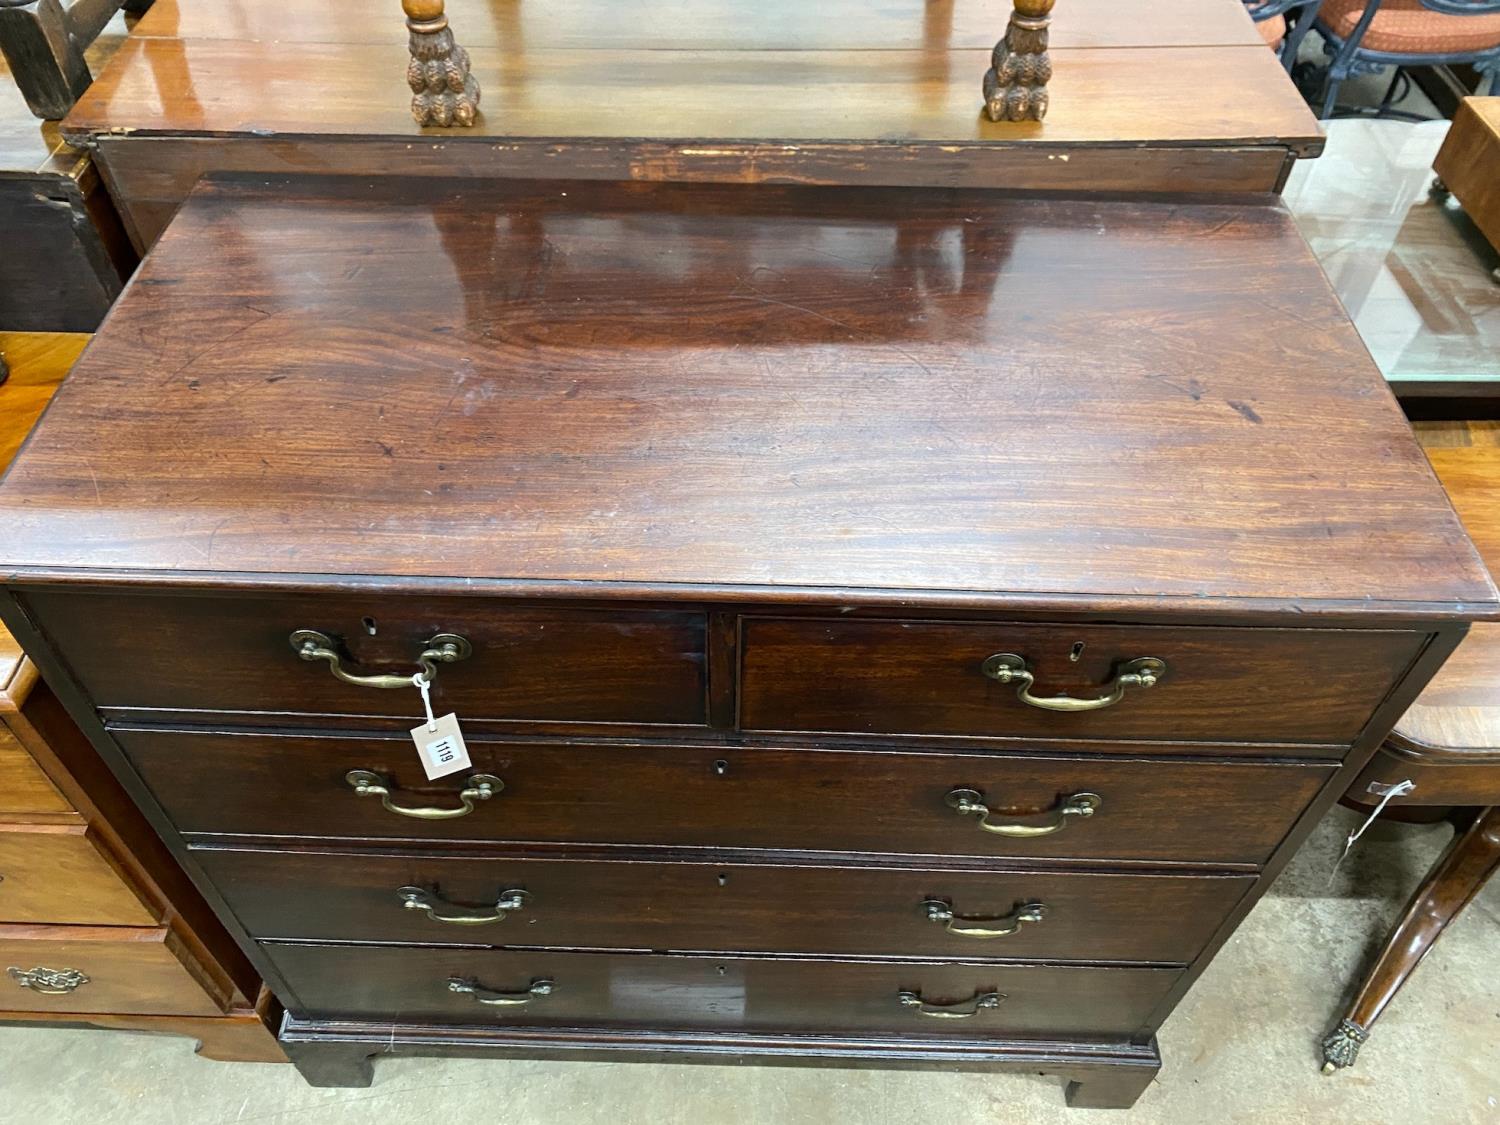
(902, 628)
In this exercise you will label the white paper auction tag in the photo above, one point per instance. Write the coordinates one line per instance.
(441, 747)
(440, 743)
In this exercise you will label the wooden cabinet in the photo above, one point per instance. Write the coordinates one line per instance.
(898, 628)
(99, 924)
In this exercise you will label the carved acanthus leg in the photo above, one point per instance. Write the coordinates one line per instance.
(443, 90)
(1015, 87)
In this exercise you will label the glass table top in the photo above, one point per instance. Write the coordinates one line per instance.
(1412, 270)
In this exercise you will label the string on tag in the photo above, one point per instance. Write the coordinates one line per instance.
(1385, 793)
(426, 689)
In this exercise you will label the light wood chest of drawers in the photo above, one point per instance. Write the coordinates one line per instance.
(899, 628)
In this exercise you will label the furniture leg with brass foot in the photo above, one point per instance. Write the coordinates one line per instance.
(1459, 874)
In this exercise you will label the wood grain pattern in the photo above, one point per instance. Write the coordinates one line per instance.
(925, 677)
(1469, 163)
(64, 874)
(24, 788)
(597, 990)
(728, 906)
(529, 663)
(679, 795)
(1459, 712)
(140, 971)
(684, 379)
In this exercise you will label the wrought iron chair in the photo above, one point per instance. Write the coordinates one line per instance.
(1283, 24)
(1365, 35)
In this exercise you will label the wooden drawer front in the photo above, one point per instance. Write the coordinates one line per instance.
(24, 788)
(228, 653)
(922, 677)
(838, 800)
(60, 873)
(130, 971)
(766, 994)
(687, 907)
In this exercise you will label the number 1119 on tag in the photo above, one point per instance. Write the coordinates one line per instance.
(442, 750)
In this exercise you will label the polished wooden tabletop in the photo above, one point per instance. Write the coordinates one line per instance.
(873, 393)
(1460, 709)
(901, 70)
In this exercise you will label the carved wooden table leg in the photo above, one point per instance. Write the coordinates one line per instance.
(1452, 883)
(443, 90)
(1015, 87)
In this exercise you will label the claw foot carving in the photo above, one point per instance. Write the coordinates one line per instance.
(443, 91)
(1015, 86)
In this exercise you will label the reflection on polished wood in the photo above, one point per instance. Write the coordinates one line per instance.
(843, 92)
(38, 361)
(1412, 269)
(660, 320)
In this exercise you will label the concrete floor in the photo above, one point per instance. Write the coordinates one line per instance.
(1241, 1048)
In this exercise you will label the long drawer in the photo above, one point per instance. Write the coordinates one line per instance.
(929, 677)
(749, 908)
(61, 873)
(452, 985)
(99, 969)
(743, 797)
(24, 788)
(187, 652)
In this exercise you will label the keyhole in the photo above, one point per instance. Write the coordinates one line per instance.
(722, 970)
(369, 624)
(723, 879)
(1076, 652)
(721, 767)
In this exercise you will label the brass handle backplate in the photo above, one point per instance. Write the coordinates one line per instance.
(440, 910)
(961, 1010)
(480, 787)
(939, 911)
(445, 648)
(970, 802)
(1008, 668)
(538, 989)
(53, 982)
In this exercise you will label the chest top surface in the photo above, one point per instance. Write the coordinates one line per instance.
(875, 394)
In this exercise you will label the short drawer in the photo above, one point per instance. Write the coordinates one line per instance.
(61, 873)
(24, 789)
(727, 907)
(743, 797)
(98, 969)
(186, 652)
(448, 985)
(928, 678)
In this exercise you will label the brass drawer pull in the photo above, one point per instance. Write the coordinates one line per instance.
(480, 787)
(940, 911)
(970, 802)
(961, 1010)
(538, 989)
(52, 982)
(416, 898)
(1008, 668)
(445, 648)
